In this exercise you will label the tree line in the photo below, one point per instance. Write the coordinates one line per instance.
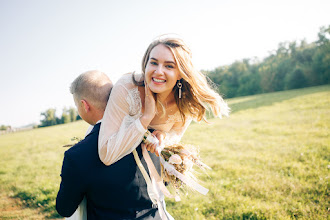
(4, 127)
(293, 65)
(50, 118)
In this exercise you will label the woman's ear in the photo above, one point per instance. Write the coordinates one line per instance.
(85, 105)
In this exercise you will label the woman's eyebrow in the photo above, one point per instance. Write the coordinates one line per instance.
(152, 58)
(170, 62)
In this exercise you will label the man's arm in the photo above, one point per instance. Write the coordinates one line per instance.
(71, 191)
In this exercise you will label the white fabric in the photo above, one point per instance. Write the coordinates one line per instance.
(154, 191)
(81, 211)
(121, 129)
(90, 128)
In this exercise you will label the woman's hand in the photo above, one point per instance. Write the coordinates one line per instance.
(149, 107)
(160, 135)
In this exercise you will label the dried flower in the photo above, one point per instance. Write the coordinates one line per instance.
(183, 158)
(185, 153)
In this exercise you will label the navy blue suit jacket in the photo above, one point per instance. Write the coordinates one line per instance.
(118, 191)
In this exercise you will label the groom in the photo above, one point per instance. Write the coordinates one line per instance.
(113, 192)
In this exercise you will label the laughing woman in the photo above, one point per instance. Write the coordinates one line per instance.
(165, 98)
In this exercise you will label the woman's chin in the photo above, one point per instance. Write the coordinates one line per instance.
(155, 90)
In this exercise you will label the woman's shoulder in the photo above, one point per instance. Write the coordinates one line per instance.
(127, 79)
(126, 90)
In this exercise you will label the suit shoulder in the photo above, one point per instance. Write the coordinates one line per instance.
(87, 146)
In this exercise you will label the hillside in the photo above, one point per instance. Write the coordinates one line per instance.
(270, 160)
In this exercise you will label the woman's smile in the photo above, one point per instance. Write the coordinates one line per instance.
(161, 71)
(158, 80)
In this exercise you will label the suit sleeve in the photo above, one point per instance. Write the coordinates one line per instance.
(72, 188)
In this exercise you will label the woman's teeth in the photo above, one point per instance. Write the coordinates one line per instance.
(158, 80)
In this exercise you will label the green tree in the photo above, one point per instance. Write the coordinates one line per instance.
(3, 127)
(291, 65)
(49, 118)
(65, 116)
(296, 79)
(321, 64)
(73, 114)
(78, 117)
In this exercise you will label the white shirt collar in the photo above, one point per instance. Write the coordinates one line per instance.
(90, 128)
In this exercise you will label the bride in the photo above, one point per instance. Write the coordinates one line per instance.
(166, 97)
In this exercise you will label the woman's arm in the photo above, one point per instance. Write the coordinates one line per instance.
(120, 133)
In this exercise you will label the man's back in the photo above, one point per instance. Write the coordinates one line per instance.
(118, 191)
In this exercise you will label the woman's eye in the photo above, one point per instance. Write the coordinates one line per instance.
(170, 66)
(153, 63)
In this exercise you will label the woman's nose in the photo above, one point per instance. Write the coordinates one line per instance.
(159, 69)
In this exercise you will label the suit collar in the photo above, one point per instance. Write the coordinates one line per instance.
(96, 128)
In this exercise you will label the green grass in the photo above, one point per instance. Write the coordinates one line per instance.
(31, 163)
(270, 160)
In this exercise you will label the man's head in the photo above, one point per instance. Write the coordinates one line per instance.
(91, 92)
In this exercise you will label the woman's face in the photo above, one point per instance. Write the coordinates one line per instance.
(161, 72)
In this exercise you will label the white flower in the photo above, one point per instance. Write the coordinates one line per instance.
(175, 159)
(185, 152)
(188, 163)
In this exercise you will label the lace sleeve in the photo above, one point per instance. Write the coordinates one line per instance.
(120, 132)
(175, 134)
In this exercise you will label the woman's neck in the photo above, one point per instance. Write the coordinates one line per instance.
(166, 99)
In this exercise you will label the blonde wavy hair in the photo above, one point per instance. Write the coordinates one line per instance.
(197, 94)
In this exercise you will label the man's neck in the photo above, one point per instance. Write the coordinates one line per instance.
(96, 117)
(94, 121)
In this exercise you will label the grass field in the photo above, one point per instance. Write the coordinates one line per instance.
(270, 160)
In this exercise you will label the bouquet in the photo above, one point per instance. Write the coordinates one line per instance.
(182, 158)
(177, 163)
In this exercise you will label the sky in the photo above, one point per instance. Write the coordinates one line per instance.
(45, 45)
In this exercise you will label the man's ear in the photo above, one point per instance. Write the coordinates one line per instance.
(85, 105)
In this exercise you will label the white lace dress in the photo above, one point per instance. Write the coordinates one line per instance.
(121, 129)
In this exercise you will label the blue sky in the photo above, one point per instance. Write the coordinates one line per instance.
(44, 45)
